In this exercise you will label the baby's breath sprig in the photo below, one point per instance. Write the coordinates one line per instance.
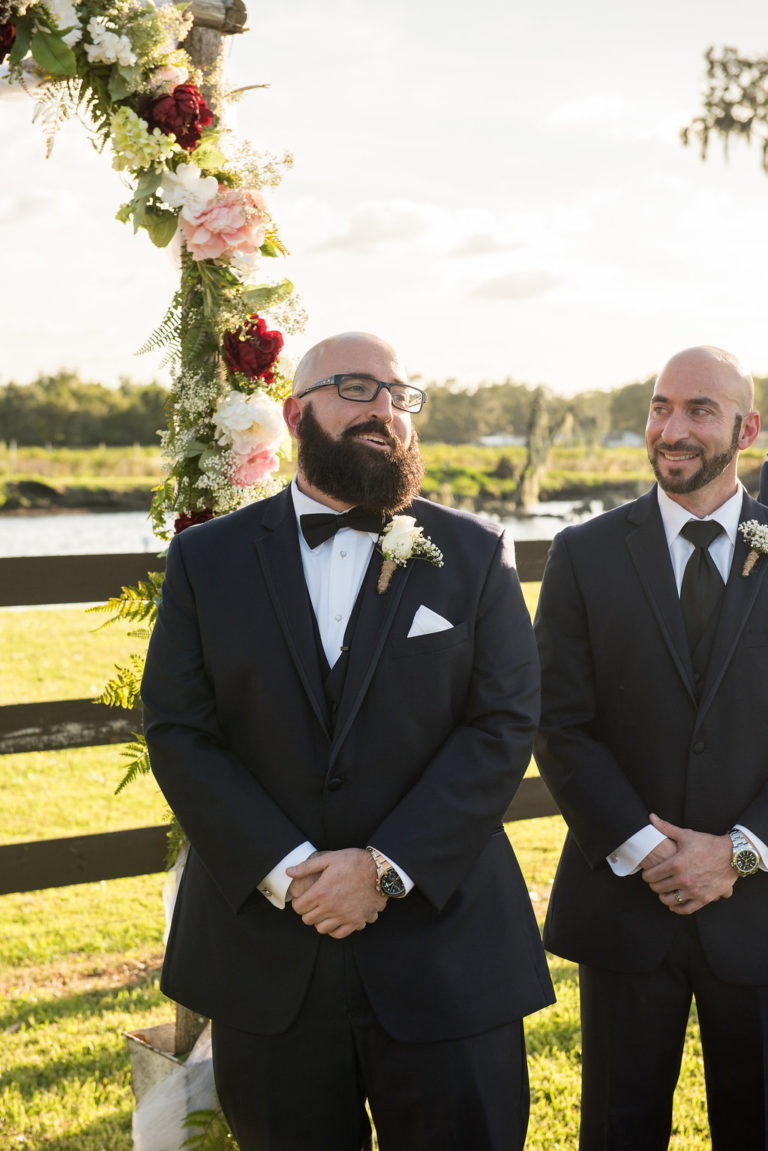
(756, 535)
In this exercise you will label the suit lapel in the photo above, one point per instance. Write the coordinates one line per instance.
(278, 551)
(647, 544)
(374, 622)
(738, 601)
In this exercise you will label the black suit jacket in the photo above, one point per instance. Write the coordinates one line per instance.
(625, 730)
(431, 739)
(762, 494)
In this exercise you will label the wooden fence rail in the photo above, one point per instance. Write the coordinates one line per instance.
(36, 580)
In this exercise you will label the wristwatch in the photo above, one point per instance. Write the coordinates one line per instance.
(745, 858)
(388, 882)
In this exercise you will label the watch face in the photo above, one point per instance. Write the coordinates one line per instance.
(745, 861)
(391, 884)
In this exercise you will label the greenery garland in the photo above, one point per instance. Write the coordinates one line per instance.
(120, 65)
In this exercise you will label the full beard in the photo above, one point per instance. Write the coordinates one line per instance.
(710, 468)
(349, 470)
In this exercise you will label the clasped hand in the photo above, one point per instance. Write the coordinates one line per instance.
(690, 864)
(335, 891)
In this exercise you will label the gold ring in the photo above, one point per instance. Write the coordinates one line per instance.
(678, 897)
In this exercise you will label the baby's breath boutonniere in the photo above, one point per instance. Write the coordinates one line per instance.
(401, 541)
(756, 535)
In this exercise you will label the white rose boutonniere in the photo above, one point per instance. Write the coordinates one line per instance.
(756, 535)
(401, 541)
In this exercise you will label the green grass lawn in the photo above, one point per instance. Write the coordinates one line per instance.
(79, 965)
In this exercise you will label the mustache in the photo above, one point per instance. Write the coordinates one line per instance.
(677, 446)
(372, 425)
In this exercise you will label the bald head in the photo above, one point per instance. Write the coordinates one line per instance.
(710, 369)
(700, 418)
(348, 352)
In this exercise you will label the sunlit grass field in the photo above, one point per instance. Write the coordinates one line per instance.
(79, 965)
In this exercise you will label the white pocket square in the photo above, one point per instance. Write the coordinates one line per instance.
(426, 621)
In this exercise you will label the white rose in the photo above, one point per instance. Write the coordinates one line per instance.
(249, 423)
(164, 79)
(63, 12)
(399, 538)
(187, 188)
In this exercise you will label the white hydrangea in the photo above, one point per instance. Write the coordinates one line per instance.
(107, 47)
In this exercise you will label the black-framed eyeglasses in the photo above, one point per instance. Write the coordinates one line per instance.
(363, 389)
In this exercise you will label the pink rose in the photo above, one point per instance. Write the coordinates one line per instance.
(231, 223)
(255, 468)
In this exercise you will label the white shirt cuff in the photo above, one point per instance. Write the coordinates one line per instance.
(760, 847)
(275, 885)
(407, 881)
(626, 859)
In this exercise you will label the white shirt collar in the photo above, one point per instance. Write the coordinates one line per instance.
(674, 516)
(304, 505)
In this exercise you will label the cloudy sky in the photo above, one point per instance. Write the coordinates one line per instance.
(498, 188)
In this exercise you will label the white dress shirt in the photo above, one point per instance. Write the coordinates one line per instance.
(334, 573)
(626, 859)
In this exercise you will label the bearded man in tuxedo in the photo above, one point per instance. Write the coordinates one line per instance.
(340, 749)
(653, 635)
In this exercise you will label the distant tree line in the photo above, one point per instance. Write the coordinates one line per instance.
(461, 415)
(64, 411)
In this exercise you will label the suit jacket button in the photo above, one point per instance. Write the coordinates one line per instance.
(335, 783)
(698, 747)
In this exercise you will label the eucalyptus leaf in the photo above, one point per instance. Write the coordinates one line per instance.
(118, 87)
(194, 448)
(52, 54)
(20, 45)
(147, 184)
(161, 226)
(139, 210)
(256, 298)
(208, 156)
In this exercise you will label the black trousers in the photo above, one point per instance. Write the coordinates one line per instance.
(306, 1089)
(633, 1031)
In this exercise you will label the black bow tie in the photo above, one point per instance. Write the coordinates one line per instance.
(320, 527)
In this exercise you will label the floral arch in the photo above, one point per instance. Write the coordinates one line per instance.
(147, 83)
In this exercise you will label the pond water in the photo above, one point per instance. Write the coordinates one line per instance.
(105, 533)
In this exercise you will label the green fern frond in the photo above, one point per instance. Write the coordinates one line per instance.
(134, 604)
(162, 502)
(168, 333)
(56, 102)
(122, 690)
(140, 633)
(176, 839)
(138, 755)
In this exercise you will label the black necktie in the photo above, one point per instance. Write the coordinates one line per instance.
(320, 527)
(702, 584)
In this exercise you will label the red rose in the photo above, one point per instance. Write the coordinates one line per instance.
(188, 519)
(252, 350)
(183, 112)
(7, 38)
